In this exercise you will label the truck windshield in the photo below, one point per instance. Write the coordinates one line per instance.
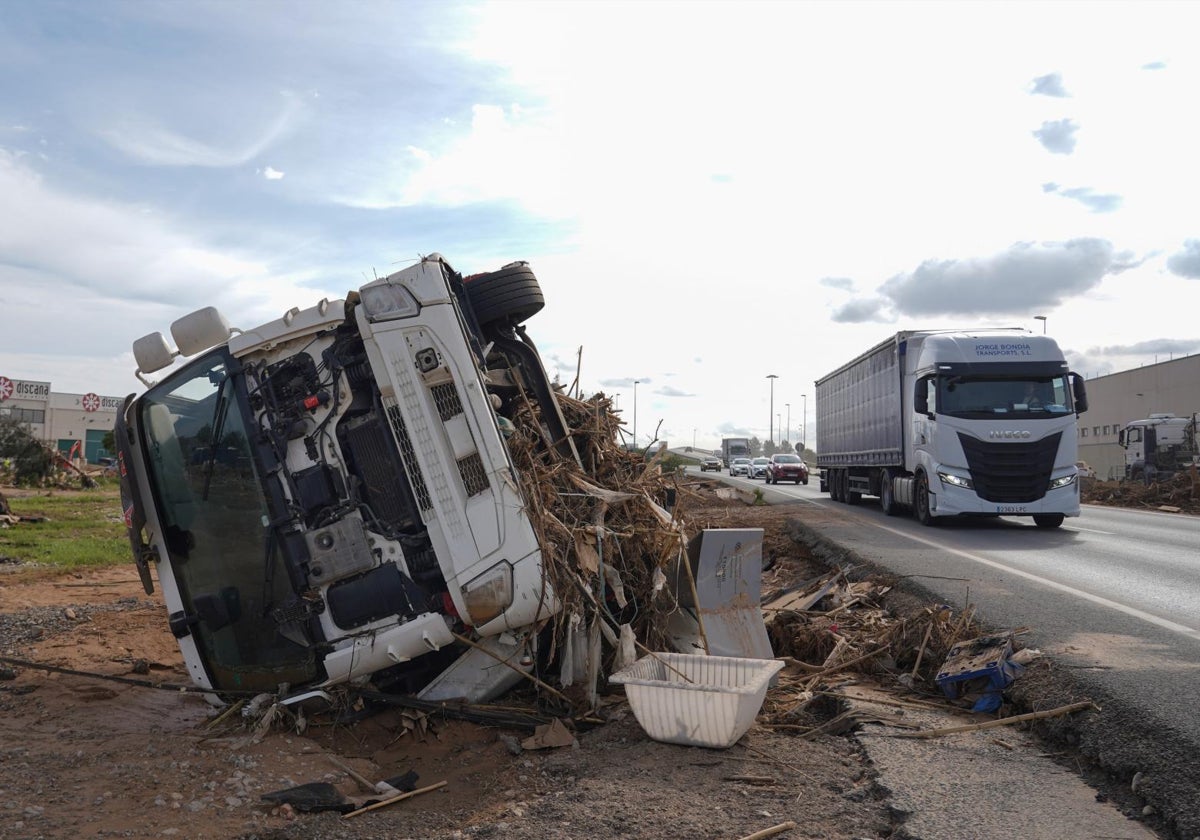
(978, 397)
(213, 519)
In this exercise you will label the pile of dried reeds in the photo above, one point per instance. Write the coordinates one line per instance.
(1180, 493)
(831, 627)
(608, 526)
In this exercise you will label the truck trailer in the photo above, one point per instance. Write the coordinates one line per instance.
(951, 423)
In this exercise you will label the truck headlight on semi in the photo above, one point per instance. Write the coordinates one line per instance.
(490, 594)
(955, 480)
(1065, 481)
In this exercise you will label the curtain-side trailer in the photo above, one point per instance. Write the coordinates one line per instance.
(949, 423)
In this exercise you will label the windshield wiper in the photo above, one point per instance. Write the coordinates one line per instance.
(217, 424)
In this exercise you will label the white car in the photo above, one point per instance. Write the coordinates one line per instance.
(739, 466)
(758, 468)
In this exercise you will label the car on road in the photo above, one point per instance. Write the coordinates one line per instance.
(710, 463)
(739, 466)
(758, 468)
(786, 467)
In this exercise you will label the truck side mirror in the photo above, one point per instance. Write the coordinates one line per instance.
(1121, 437)
(1079, 392)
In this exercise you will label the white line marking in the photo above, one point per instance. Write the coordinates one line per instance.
(1164, 623)
(1091, 531)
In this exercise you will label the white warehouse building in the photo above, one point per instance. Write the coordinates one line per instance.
(74, 423)
(1114, 400)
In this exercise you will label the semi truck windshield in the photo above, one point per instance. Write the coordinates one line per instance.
(977, 397)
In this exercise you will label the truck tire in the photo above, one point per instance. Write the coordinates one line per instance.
(510, 294)
(835, 485)
(1048, 520)
(853, 497)
(921, 501)
(887, 495)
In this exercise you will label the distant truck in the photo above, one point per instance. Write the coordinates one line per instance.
(1159, 446)
(734, 448)
(948, 423)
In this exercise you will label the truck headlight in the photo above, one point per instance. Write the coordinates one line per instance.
(385, 302)
(490, 594)
(955, 480)
(1065, 481)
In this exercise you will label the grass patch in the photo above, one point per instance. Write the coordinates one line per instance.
(82, 529)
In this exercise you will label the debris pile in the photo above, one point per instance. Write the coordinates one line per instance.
(1178, 494)
(831, 628)
(609, 526)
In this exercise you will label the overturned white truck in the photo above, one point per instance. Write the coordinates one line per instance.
(330, 498)
(329, 494)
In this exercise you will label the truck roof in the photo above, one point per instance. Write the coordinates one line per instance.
(967, 346)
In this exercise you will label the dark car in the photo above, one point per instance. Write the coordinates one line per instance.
(710, 463)
(784, 467)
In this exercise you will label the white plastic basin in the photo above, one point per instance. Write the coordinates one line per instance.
(714, 709)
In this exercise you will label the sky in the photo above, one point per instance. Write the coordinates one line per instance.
(709, 193)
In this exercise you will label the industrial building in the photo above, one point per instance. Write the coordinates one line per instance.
(74, 423)
(1171, 387)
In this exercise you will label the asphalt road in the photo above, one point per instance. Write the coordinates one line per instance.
(1113, 596)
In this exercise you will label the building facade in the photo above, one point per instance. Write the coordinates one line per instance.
(1171, 387)
(75, 424)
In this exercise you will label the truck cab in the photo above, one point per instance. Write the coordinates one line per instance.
(1158, 446)
(328, 497)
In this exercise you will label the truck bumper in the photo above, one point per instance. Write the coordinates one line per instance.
(948, 500)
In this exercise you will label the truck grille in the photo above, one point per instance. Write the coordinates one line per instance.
(474, 477)
(445, 397)
(1010, 473)
(410, 457)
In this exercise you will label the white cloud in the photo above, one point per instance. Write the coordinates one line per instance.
(142, 138)
(272, 174)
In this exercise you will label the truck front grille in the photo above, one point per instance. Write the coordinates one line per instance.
(445, 397)
(410, 456)
(1010, 473)
(474, 477)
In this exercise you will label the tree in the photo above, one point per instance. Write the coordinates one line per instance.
(31, 460)
(769, 448)
(755, 447)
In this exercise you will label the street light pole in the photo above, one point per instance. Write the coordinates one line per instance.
(693, 437)
(635, 384)
(787, 431)
(804, 422)
(1041, 318)
(771, 416)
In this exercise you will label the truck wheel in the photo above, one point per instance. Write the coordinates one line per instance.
(1048, 520)
(921, 501)
(509, 294)
(839, 484)
(887, 496)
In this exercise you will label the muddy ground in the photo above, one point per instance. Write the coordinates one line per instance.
(88, 757)
(83, 756)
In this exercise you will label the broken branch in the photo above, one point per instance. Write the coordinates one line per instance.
(992, 724)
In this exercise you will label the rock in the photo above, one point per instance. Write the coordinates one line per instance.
(69, 614)
(1148, 811)
(1138, 777)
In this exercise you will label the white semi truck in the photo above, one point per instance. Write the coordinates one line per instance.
(329, 496)
(1159, 446)
(949, 423)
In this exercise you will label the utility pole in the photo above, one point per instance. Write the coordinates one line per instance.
(771, 417)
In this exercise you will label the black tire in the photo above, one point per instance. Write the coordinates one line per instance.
(1048, 520)
(804, 481)
(835, 486)
(887, 495)
(921, 501)
(510, 294)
